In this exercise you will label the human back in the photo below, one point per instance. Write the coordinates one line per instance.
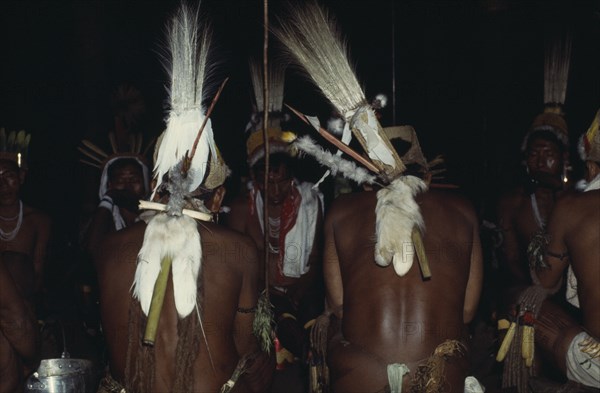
(390, 319)
(227, 281)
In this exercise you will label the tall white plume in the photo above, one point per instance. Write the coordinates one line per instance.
(556, 70)
(276, 85)
(397, 213)
(314, 42)
(187, 65)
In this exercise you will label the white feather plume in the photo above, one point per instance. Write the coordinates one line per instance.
(336, 164)
(177, 237)
(335, 125)
(186, 65)
(276, 86)
(314, 42)
(397, 213)
(556, 70)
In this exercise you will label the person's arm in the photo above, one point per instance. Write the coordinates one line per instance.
(258, 376)
(334, 289)
(475, 281)
(557, 256)
(102, 224)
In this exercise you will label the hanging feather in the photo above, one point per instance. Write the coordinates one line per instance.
(397, 214)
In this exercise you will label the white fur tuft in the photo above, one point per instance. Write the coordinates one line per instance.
(380, 101)
(335, 125)
(397, 213)
(178, 237)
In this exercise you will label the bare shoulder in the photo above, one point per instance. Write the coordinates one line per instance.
(119, 247)
(236, 218)
(36, 215)
(571, 205)
(511, 199)
(452, 200)
(347, 204)
(227, 246)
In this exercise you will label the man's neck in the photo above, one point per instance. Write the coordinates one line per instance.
(9, 210)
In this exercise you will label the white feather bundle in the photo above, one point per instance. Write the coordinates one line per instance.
(276, 86)
(556, 70)
(187, 66)
(397, 213)
(313, 40)
(336, 164)
(177, 237)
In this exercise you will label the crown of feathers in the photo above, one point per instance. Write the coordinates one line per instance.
(557, 58)
(14, 146)
(96, 157)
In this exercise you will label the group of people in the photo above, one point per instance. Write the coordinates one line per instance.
(279, 292)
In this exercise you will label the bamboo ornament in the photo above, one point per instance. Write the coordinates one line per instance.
(417, 239)
(158, 299)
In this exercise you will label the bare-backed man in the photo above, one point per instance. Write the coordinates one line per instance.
(574, 244)
(178, 293)
(386, 319)
(229, 294)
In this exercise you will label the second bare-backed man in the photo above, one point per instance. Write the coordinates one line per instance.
(386, 319)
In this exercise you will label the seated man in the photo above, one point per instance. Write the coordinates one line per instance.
(188, 324)
(23, 229)
(383, 319)
(574, 235)
(387, 320)
(294, 228)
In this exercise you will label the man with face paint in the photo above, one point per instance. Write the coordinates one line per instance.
(523, 212)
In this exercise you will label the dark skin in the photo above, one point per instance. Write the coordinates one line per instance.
(384, 318)
(574, 230)
(229, 280)
(32, 239)
(516, 216)
(18, 327)
(126, 188)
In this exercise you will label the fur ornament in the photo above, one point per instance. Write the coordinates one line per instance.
(397, 213)
(178, 237)
(336, 164)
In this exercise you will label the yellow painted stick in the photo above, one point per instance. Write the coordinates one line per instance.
(417, 240)
(158, 298)
(506, 342)
(527, 346)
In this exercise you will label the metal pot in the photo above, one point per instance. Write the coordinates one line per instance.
(62, 376)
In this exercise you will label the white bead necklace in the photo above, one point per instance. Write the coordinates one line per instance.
(10, 235)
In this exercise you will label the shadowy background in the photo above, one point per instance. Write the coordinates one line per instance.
(469, 77)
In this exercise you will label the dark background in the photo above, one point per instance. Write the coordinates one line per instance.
(469, 77)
